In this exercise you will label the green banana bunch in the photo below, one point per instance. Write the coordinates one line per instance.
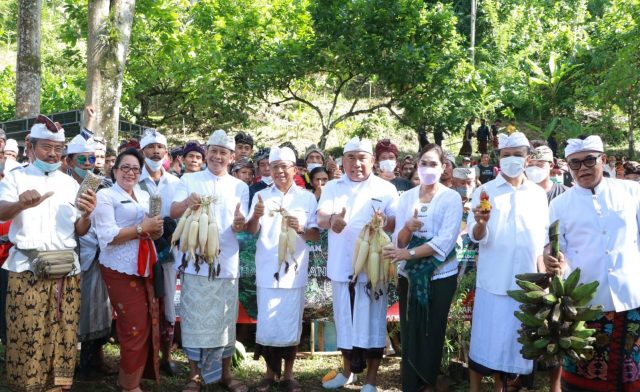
(553, 312)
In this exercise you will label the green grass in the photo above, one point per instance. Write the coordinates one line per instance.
(308, 370)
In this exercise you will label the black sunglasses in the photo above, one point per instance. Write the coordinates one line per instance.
(590, 161)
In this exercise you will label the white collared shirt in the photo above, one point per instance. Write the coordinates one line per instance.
(515, 236)
(166, 187)
(441, 222)
(48, 226)
(116, 210)
(599, 235)
(300, 203)
(360, 199)
(228, 191)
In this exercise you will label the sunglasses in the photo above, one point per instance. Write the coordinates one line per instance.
(54, 127)
(82, 159)
(590, 161)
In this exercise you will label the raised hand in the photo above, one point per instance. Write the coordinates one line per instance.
(414, 224)
(258, 210)
(32, 198)
(337, 221)
(481, 216)
(238, 219)
(87, 202)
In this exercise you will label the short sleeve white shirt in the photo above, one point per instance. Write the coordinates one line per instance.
(515, 236)
(299, 203)
(360, 200)
(48, 226)
(599, 235)
(228, 191)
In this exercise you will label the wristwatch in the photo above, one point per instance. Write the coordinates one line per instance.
(139, 229)
(412, 253)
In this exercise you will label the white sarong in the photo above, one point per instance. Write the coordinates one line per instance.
(367, 328)
(494, 336)
(208, 311)
(279, 316)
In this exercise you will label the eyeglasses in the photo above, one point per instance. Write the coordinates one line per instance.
(128, 169)
(282, 166)
(82, 159)
(50, 148)
(590, 161)
(51, 126)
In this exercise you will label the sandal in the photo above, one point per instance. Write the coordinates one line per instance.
(265, 385)
(193, 385)
(291, 385)
(234, 385)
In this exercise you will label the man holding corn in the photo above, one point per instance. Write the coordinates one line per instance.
(508, 221)
(209, 307)
(285, 216)
(347, 204)
(599, 219)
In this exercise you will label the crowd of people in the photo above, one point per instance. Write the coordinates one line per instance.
(75, 258)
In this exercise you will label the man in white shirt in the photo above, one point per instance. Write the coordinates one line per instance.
(209, 307)
(281, 286)
(347, 204)
(95, 309)
(599, 219)
(155, 180)
(511, 238)
(42, 313)
(11, 155)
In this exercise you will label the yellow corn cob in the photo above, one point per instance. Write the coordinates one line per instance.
(203, 232)
(354, 257)
(184, 237)
(193, 239)
(373, 267)
(362, 254)
(213, 242)
(178, 231)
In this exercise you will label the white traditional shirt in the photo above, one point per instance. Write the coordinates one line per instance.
(48, 226)
(515, 236)
(441, 223)
(228, 191)
(599, 235)
(116, 210)
(166, 187)
(300, 203)
(360, 199)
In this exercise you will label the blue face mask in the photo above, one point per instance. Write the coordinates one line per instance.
(82, 173)
(46, 167)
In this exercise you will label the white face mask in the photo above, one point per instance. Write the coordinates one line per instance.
(267, 180)
(387, 165)
(512, 166)
(536, 174)
(311, 166)
(153, 165)
(429, 175)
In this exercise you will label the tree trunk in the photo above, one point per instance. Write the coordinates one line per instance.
(632, 126)
(106, 58)
(323, 138)
(28, 65)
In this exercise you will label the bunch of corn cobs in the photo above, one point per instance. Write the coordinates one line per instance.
(198, 238)
(367, 257)
(553, 320)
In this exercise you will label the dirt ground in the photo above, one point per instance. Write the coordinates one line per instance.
(309, 371)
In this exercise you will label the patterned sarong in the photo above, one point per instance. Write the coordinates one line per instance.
(615, 364)
(42, 319)
(137, 326)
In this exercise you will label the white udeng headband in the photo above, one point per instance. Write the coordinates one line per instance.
(592, 143)
(516, 139)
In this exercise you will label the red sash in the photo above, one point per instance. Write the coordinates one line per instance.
(147, 256)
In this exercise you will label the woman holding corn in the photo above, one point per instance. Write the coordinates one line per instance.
(427, 226)
(127, 257)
